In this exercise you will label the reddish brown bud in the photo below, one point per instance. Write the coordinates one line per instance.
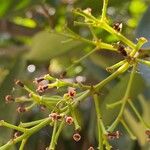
(77, 137)
(117, 26)
(147, 132)
(21, 109)
(69, 120)
(121, 49)
(90, 148)
(9, 98)
(42, 88)
(71, 92)
(18, 82)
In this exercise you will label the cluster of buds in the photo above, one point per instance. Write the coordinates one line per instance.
(69, 120)
(113, 135)
(77, 137)
(55, 116)
(147, 132)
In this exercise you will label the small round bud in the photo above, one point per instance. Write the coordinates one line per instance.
(21, 109)
(71, 92)
(18, 82)
(69, 120)
(90, 148)
(147, 132)
(77, 137)
(9, 98)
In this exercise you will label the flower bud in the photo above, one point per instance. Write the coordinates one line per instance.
(77, 137)
(18, 82)
(118, 26)
(71, 92)
(69, 120)
(9, 98)
(21, 109)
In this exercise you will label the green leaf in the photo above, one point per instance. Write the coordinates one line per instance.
(46, 45)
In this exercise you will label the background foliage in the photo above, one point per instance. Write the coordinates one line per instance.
(30, 37)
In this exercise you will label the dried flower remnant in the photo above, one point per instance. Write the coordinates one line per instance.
(113, 135)
(19, 83)
(55, 116)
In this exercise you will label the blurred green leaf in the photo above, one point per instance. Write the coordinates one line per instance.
(46, 45)
(143, 29)
(9, 114)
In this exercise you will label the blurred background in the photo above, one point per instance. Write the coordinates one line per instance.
(30, 46)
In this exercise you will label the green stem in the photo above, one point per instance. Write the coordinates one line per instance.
(124, 101)
(114, 104)
(106, 81)
(111, 68)
(8, 125)
(132, 136)
(59, 130)
(82, 58)
(23, 144)
(32, 123)
(104, 10)
(117, 34)
(53, 142)
(137, 114)
(100, 125)
(99, 119)
(76, 123)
